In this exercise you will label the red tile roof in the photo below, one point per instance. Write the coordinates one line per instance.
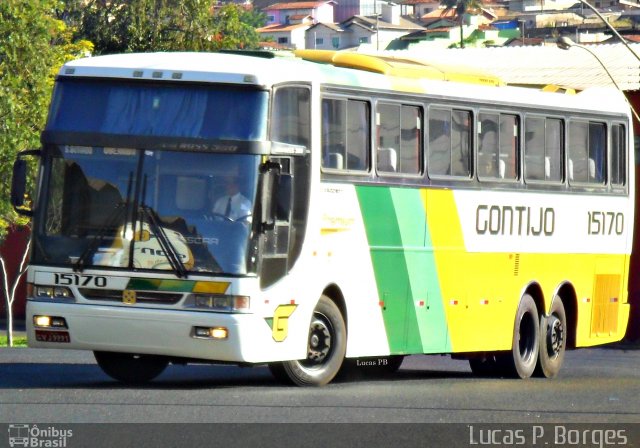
(277, 27)
(298, 5)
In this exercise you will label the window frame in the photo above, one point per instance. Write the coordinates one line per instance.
(563, 149)
(518, 151)
(375, 146)
(451, 108)
(588, 121)
(368, 101)
(625, 153)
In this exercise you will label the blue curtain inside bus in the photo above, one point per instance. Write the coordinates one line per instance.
(171, 110)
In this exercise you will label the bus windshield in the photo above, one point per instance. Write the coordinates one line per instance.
(147, 209)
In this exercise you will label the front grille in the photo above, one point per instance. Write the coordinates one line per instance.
(112, 295)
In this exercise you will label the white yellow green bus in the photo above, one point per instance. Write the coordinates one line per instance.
(391, 208)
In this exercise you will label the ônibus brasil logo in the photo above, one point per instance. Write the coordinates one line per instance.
(33, 436)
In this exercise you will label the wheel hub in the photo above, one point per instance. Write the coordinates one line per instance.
(319, 341)
(555, 336)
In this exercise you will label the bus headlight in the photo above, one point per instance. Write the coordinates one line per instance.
(49, 292)
(218, 302)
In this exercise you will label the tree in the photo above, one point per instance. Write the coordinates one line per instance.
(33, 46)
(230, 31)
(461, 7)
(167, 25)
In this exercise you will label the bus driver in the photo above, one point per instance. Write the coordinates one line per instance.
(232, 205)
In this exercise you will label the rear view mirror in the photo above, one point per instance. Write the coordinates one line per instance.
(19, 183)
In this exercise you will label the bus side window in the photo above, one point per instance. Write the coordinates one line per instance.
(291, 118)
(488, 146)
(587, 152)
(498, 146)
(345, 134)
(543, 149)
(534, 150)
(439, 162)
(449, 142)
(461, 143)
(398, 128)
(509, 138)
(618, 155)
(597, 152)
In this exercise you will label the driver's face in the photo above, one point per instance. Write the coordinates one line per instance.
(231, 186)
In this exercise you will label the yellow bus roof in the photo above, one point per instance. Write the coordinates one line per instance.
(402, 67)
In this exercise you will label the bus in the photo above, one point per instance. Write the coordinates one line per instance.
(388, 209)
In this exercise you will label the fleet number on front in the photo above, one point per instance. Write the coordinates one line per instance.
(80, 280)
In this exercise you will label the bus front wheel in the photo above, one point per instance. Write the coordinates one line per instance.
(129, 368)
(521, 361)
(326, 348)
(553, 340)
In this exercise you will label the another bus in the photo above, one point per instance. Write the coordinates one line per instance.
(390, 214)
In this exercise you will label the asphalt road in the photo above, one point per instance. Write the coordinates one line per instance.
(596, 386)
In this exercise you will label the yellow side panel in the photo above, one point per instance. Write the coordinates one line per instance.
(481, 290)
(478, 310)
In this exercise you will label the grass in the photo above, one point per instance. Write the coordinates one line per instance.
(17, 341)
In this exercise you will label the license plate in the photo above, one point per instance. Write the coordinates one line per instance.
(52, 336)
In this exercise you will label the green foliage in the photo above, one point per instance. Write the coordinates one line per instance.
(17, 342)
(120, 26)
(33, 46)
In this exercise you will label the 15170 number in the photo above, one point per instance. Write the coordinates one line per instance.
(80, 280)
(605, 223)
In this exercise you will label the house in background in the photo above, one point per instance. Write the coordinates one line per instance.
(289, 35)
(346, 9)
(289, 12)
(288, 22)
(325, 36)
(377, 32)
(418, 8)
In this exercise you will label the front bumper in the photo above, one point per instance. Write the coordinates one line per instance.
(159, 332)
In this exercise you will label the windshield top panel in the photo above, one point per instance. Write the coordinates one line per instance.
(171, 109)
(106, 207)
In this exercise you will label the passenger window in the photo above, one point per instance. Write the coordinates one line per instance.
(449, 142)
(587, 147)
(345, 134)
(398, 130)
(543, 149)
(618, 155)
(498, 146)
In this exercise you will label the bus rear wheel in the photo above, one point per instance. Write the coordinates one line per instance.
(553, 340)
(326, 348)
(130, 368)
(521, 361)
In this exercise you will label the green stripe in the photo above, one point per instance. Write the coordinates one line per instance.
(404, 267)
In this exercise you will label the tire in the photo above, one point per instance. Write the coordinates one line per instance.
(521, 361)
(130, 368)
(486, 366)
(325, 349)
(553, 340)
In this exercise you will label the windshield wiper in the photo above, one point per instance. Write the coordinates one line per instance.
(102, 233)
(112, 219)
(168, 248)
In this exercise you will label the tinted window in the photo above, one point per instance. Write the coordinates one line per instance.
(345, 134)
(449, 142)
